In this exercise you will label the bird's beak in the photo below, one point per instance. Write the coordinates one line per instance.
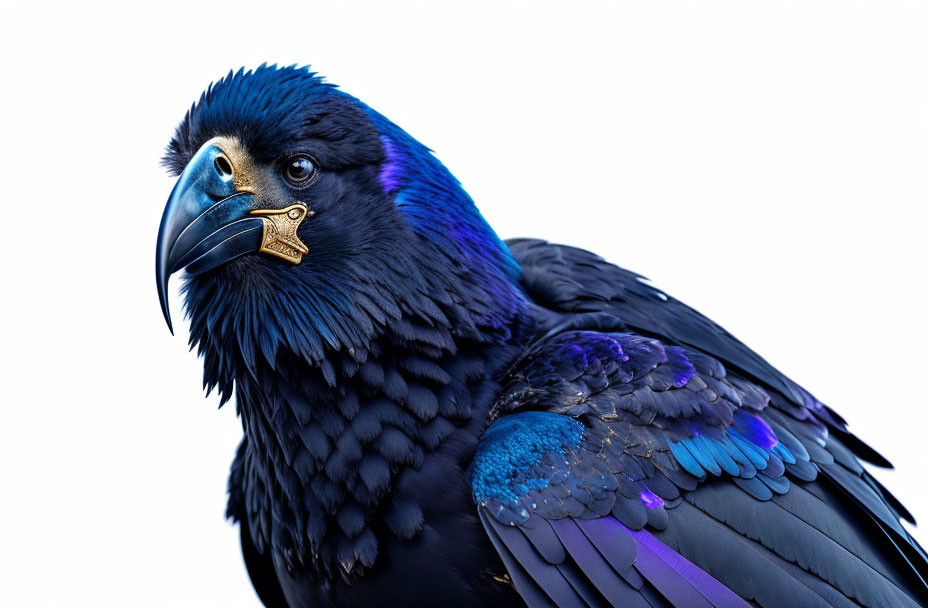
(211, 219)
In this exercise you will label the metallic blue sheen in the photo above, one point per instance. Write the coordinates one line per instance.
(750, 438)
(514, 444)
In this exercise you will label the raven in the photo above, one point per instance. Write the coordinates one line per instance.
(434, 417)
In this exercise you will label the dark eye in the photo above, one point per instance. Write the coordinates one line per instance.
(298, 170)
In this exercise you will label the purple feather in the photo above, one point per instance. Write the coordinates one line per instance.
(392, 170)
(650, 499)
(756, 430)
(718, 594)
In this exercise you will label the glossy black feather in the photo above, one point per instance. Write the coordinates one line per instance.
(775, 503)
(259, 565)
(621, 448)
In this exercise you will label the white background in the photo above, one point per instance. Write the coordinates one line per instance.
(766, 164)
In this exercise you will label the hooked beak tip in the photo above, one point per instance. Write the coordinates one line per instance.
(167, 318)
(163, 297)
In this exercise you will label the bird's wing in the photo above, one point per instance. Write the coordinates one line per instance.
(567, 279)
(661, 464)
(259, 564)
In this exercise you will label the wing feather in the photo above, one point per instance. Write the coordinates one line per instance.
(639, 455)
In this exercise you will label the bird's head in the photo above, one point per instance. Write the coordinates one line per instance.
(306, 220)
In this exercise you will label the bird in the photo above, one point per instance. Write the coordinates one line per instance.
(433, 416)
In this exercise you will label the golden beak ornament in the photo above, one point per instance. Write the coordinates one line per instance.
(280, 225)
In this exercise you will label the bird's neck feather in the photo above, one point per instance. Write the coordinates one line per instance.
(333, 426)
(330, 443)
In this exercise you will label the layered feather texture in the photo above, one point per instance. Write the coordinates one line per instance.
(434, 417)
(722, 490)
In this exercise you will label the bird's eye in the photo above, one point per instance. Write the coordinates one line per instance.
(299, 170)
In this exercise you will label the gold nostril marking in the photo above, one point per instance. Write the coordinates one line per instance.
(280, 225)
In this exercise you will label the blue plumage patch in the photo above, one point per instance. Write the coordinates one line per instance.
(515, 444)
(658, 419)
(740, 450)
